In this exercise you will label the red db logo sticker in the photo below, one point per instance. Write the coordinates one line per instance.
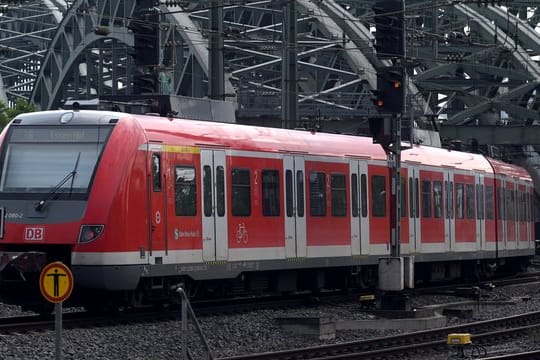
(34, 233)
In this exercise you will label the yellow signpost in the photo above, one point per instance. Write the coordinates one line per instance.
(56, 282)
(56, 285)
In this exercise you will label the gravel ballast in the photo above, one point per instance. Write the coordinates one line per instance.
(251, 332)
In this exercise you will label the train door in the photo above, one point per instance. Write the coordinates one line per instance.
(359, 206)
(510, 200)
(295, 205)
(522, 202)
(449, 224)
(157, 215)
(480, 219)
(214, 214)
(414, 208)
(526, 218)
(501, 214)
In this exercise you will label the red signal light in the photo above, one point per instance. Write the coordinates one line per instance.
(396, 84)
(379, 103)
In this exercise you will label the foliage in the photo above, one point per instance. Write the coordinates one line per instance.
(7, 113)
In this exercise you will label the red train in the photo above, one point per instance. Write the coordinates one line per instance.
(136, 205)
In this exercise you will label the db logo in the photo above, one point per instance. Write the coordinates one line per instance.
(34, 233)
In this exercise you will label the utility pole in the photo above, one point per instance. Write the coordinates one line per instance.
(216, 72)
(289, 72)
(395, 271)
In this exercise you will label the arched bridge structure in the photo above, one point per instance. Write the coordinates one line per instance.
(468, 62)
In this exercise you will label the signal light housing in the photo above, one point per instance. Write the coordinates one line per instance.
(389, 24)
(389, 96)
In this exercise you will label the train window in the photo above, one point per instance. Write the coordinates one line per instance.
(532, 207)
(241, 192)
(354, 195)
(460, 201)
(378, 196)
(500, 203)
(403, 198)
(426, 198)
(417, 198)
(483, 203)
(363, 194)
(469, 200)
(490, 208)
(185, 191)
(270, 192)
(338, 195)
(317, 193)
(437, 199)
(156, 172)
(220, 191)
(38, 158)
(411, 197)
(508, 205)
(449, 199)
(518, 205)
(525, 207)
(522, 205)
(207, 190)
(300, 193)
(480, 201)
(289, 193)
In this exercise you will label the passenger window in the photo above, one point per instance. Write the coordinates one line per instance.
(240, 192)
(469, 198)
(185, 190)
(508, 204)
(489, 203)
(363, 194)
(207, 190)
(426, 199)
(437, 199)
(270, 192)
(480, 201)
(220, 191)
(403, 198)
(156, 172)
(289, 193)
(417, 198)
(411, 197)
(300, 193)
(500, 203)
(460, 201)
(338, 194)
(317, 193)
(449, 196)
(354, 195)
(378, 196)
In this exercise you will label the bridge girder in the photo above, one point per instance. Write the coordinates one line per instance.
(496, 71)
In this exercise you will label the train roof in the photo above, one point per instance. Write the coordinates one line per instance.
(255, 138)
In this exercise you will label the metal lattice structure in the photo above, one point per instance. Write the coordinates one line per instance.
(26, 30)
(468, 63)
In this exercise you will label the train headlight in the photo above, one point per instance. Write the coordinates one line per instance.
(90, 233)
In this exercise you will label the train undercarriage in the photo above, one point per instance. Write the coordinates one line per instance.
(19, 281)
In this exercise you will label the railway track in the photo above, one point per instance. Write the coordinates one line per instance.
(411, 344)
(26, 323)
(29, 323)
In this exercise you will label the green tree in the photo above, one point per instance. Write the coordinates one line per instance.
(7, 113)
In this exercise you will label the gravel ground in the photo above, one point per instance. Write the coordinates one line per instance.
(242, 333)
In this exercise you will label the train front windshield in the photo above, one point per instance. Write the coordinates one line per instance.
(51, 159)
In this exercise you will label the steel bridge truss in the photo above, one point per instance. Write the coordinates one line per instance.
(466, 63)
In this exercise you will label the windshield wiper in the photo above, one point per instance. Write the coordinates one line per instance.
(54, 192)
